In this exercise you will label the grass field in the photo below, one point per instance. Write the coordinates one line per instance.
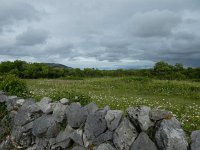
(181, 97)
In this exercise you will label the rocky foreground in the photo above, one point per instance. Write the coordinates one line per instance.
(61, 125)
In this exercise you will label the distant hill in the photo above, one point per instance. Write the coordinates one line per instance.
(55, 65)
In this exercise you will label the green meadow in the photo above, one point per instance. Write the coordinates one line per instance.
(180, 97)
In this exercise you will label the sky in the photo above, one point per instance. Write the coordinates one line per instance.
(104, 34)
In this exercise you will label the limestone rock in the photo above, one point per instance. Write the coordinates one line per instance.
(159, 114)
(42, 144)
(95, 124)
(106, 136)
(124, 135)
(79, 148)
(27, 103)
(143, 142)
(46, 100)
(11, 103)
(59, 112)
(52, 141)
(27, 139)
(49, 108)
(22, 135)
(76, 115)
(22, 117)
(20, 102)
(195, 140)
(56, 147)
(170, 136)
(113, 118)
(69, 129)
(3, 98)
(45, 105)
(91, 108)
(139, 116)
(33, 108)
(45, 126)
(105, 146)
(79, 137)
(64, 101)
(32, 147)
(105, 109)
(63, 139)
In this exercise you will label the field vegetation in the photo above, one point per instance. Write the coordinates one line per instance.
(180, 97)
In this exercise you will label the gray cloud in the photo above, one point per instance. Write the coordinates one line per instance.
(103, 34)
(32, 37)
(12, 11)
(155, 23)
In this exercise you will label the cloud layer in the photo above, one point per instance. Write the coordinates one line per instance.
(101, 33)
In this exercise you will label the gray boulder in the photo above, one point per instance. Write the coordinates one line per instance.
(195, 140)
(3, 98)
(16, 133)
(76, 136)
(79, 148)
(79, 137)
(11, 103)
(64, 101)
(25, 114)
(59, 112)
(139, 116)
(124, 135)
(113, 118)
(46, 100)
(22, 135)
(32, 147)
(143, 142)
(42, 144)
(95, 125)
(45, 105)
(26, 139)
(45, 126)
(22, 117)
(63, 139)
(159, 114)
(26, 103)
(105, 146)
(49, 108)
(170, 136)
(91, 108)
(33, 108)
(105, 109)
(76, 115)
(106, 136)
(52, 141)
(20, 102)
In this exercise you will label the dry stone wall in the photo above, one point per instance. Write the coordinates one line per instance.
(61, 125)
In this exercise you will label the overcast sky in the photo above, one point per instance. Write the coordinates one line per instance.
(101, 33)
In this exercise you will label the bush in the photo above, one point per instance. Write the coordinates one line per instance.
(13, 85)
(73, 96)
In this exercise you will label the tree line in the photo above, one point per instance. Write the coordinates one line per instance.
(161, 70)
